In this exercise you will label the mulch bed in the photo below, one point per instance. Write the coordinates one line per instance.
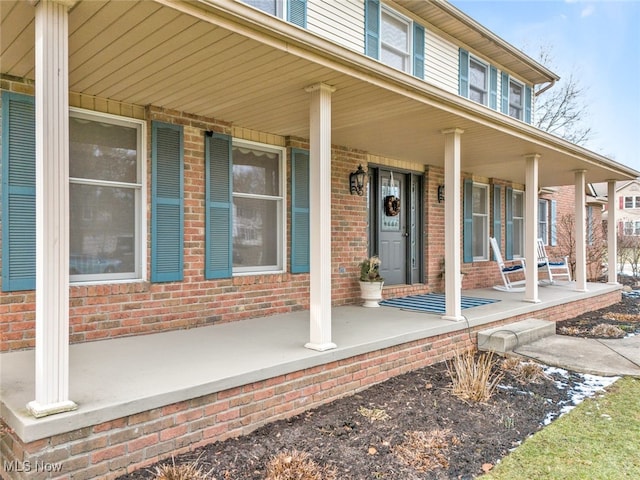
(361, 436)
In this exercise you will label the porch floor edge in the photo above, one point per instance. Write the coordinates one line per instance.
(111, 379)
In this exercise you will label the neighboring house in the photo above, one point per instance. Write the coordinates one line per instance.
(192, 163)
(627, 209)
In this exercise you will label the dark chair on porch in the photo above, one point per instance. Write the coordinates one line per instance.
(558, 268)
(508, 268)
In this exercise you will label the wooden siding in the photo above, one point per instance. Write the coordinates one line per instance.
(341, 22)
(441, 62)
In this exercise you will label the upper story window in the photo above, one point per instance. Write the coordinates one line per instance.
(478, 81)
(394, 39)
(294, 11)
(105, 197)
(516, 99)
(632, 202)
(274, 7)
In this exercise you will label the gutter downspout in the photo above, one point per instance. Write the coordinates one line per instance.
(542, 90)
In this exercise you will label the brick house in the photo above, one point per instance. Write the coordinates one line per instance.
(171, 164)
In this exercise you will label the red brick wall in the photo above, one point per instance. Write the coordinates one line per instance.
(113, 310)
(129, 443)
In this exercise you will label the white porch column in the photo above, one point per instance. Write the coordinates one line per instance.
(52, 210)
(452, 236)
(320, 217)
(531, 228)
(581, 234)
(612, 237)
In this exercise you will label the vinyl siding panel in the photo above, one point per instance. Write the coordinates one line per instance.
(341, 22)
(441, 62)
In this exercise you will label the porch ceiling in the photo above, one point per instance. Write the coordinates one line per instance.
(252, 69)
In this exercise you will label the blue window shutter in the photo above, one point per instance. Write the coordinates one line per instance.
(497, 213)
(553, 241)
(508, 227)
(18, 192)
(493, 87)
(418, 50)
(219, 202)
(463, 71)
(467, 224)
(300, 223)
(504, 97)
(527, 103)
(167, 202)
(372, 28)
(297, 12)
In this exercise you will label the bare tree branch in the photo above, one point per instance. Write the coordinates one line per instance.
(563, 110)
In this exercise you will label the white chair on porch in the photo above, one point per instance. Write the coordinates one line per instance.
(508, 268)
(558, 268)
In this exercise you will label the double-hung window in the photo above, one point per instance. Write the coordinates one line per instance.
(292, 10)
(543, 220)
(632, 202)
(478, 81)
(516, 99)
(258, 207)
(395, 40)
(105, 197)
(480, 204)
(518, 223)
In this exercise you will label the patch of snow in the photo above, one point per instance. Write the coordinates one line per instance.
(586, 388)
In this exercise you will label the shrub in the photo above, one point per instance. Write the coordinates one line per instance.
(426, 451)
(185, 471)
(472, 376)
(297, 465)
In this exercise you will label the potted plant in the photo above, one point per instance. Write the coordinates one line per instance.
(371, 282)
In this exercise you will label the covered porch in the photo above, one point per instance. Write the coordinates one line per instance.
(253, 371)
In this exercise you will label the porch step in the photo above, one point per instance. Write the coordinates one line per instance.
(507, 337)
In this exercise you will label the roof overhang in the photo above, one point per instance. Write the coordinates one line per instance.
(225, 60)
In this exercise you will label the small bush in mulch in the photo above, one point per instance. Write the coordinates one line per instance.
(426, 451)
(473, 376)
(297, 465)
(614, 321)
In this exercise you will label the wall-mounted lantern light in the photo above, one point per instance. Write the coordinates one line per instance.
(440, 193)
(356, 181)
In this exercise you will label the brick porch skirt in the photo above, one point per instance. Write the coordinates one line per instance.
(114, 448)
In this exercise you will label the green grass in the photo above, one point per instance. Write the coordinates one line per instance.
(599, 439)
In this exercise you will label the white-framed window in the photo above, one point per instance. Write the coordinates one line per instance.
(518, 224)
(106, 196)
(631, 202)
(516, 99)
(478, 81)
(480, 209)
(395, 39)
(543, 220)
(258, 207)
(632, 228)
(274, 7)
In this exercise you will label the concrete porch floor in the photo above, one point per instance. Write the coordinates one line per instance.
(113, 378)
